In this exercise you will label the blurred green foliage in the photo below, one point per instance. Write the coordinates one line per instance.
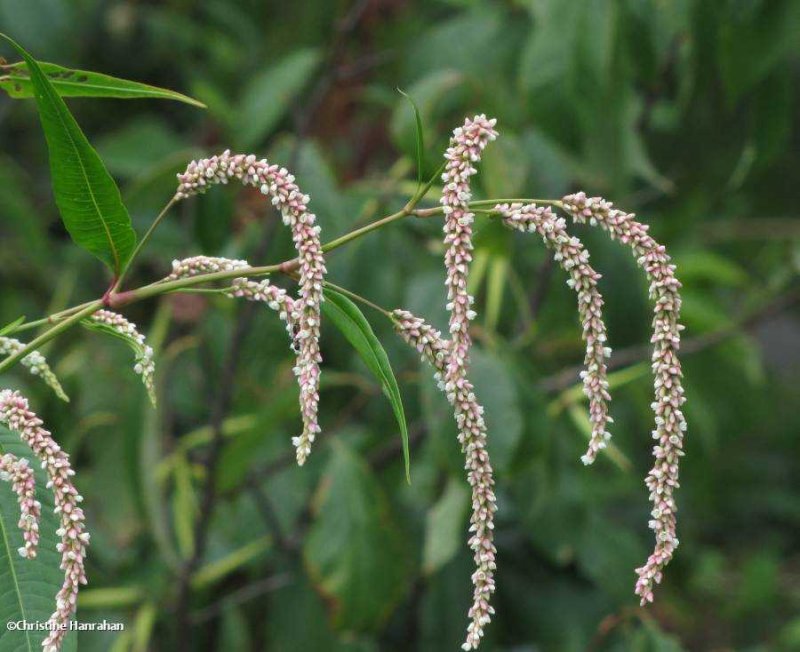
(683, 111)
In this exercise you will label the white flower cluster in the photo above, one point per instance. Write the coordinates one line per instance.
(36, 364)
(285, 195)
(196, 265)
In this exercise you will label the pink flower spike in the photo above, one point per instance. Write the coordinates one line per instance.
(670, 424)
(472, 433)
(19, 473)
(279, 185)
(16, 415)
(466, 146)
(574, 259)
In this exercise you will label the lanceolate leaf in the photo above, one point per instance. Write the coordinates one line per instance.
(87, 197)
(28, 587)
(355, 327)
(420, 141)
(16, 81)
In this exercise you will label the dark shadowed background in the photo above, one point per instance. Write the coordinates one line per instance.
(682, 111)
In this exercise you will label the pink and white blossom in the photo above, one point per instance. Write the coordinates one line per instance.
(670, 424)
(276, 298)
(20, 474)
(17, 416)
(434, 350)
(197, 265)
(144, 364)
(285, 195)
(466, 147)
(574, 259)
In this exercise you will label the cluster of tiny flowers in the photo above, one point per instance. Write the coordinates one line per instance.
(670, 423)
(472, 433)
(19, 473)
(574, 259)
(144, 364)
(466, 147)
(196, 265)
(276, 298)
(280, 185)
(15, 413)
(36, 364)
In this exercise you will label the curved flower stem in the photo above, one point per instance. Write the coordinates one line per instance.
(59, 328)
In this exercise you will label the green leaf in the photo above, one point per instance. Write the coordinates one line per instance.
(69, 82)
(86, 195)
(270, 95)
(445, 526)
(354, 326)
(29, 586)
(354, 553)
(432, 95)
(420, 139)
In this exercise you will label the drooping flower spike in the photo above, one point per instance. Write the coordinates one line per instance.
(669, 398)
(466, 147)
(279, 184)
(36, 364)
(115, 324)
(17, 416)
(20, 474)
(574, 259)
(434, 350)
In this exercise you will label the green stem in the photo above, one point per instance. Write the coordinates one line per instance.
(11, 360)
(67, 318)
(52, 319)
(357, 297)
(145, 238)
(347, 237)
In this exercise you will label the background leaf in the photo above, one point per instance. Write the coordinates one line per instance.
(355, 554)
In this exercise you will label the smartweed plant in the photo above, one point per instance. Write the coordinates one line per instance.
(98, 221)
